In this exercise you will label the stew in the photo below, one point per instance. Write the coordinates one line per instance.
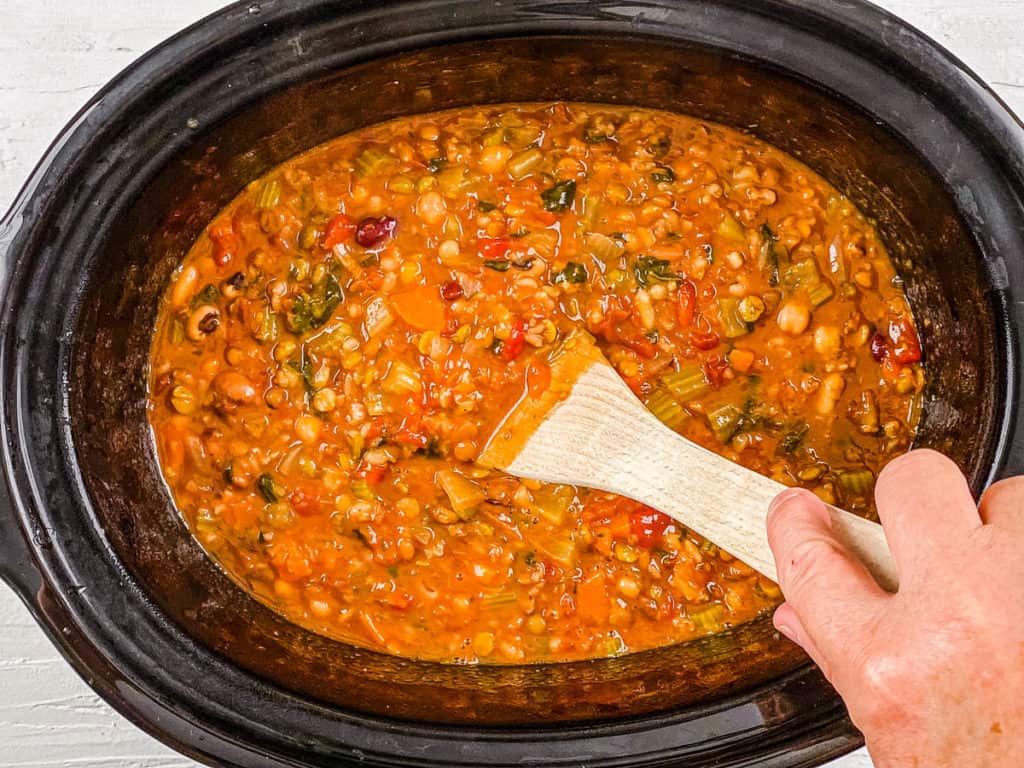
(342, 339)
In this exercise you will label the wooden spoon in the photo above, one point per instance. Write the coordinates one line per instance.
(589, 429)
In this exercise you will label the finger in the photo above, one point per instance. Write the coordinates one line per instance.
(828, 588)
(1003, 503)
(788, 623)
(924, 503)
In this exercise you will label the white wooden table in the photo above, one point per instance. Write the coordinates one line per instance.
(53, 55)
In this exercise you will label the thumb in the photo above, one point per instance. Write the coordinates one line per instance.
(831, 599)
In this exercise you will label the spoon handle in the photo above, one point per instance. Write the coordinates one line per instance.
(604, 438)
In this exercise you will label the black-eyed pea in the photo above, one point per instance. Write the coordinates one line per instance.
(202, 322)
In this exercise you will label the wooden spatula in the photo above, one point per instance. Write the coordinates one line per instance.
(589, 429)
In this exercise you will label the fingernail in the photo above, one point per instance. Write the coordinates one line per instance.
(783, 498)
(788, 631)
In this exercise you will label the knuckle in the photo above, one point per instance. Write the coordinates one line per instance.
(801, 562)
(883, 681)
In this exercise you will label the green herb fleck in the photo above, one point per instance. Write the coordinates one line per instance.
(268, 488)
(649, 269)
(659, 145)
(559, 197)
(312, 309)
(485, 207)
(792, 439)
(498, 265)
(663, 175)
(209, 295)
(573, 272)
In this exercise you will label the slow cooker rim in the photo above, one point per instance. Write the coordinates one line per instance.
(49, 165)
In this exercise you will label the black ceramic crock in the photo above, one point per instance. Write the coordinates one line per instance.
(89, 537)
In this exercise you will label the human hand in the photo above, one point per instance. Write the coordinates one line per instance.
(933, 675)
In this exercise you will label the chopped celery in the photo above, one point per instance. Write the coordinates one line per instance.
(725, 421)
(332, 337)
(463, 493)
(856, 481)
(602, 247)
(801, 274)
(687, 383)
(372, 162)
(361, 490)
(267, 328)
(732, 325)
(521, 135)
(452, 181)
(589, 210)
(522, 163)
(731, 229)
(498, 600)
(666, 409)
(709, 618)
(820, 293)
(269, 195)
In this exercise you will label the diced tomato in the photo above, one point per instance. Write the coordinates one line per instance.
(398, 600)
(592, 600)
(551, 571)
(339, 230)
(648, 525)
(714, 369)
(493, 247)
(371, 473)
(538, 377)
(224, 242)
(686, 305)
(305, 501)
(451, 290)
(515, 343)
(620, 526)
(704, 340)
(409, 437)
(642, 346)
(906, 345)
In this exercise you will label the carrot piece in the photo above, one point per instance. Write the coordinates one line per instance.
(592, 600)
(741, 359)
(421, 307)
